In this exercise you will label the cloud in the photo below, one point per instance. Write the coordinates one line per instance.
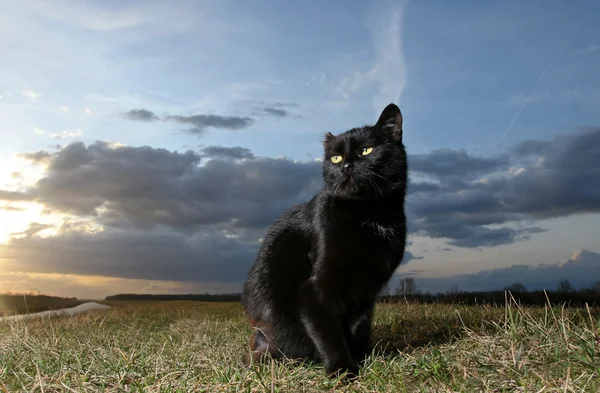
(149, 255)
(162, 215)
(141, 115)
(389, 70)
(146, 187)
(60, 135)
(10, 208)
(562, 176)
(38, 157)
(67, 134)
(14, 196)
(275, 112)
(236, 152)
(200, 123)
(409, 256)
(194, 204)
(556, 178)
(386, 74)
(33, 229)
(31, 94)
(581, 269)
(448, 164)
(87, 111)
(276, 109)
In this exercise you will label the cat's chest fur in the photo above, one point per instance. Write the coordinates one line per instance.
(357, 246)
(385, 231)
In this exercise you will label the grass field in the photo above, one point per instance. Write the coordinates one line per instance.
(195, 346)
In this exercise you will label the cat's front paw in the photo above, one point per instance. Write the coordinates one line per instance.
(336, 368)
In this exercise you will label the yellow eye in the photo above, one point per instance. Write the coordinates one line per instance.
(367, 150)
(336, 159)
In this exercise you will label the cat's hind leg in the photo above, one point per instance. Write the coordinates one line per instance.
(257, 349)
(286, 340)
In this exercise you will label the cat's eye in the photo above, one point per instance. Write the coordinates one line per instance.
(336, 159)
(367, 150)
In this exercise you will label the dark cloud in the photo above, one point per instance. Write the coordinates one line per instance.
(547, 179)
(561, 177)
(141, 115)
(145, 187)
(445, 163)
(275, 112)
(195, 203)
(38, 157)
(463, 216)
(581, 269)
(228, 152)
(415, 187)
(200, 123)
(486, 237)
(409, 256)
(151, 255)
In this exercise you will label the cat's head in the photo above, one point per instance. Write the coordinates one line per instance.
(366, 162)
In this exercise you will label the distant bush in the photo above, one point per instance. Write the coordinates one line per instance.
(29, 303)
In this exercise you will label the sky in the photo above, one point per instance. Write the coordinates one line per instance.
(147, 145)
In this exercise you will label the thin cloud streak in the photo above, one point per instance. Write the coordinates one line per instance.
(390, 69)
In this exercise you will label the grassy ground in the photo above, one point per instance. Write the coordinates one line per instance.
(195, 346)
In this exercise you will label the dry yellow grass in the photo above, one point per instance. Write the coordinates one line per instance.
(196, 347)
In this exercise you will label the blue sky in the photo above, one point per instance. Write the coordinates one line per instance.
(460, 72)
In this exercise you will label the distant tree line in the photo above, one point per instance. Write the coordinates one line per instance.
(407, 290)
(564, 293)
(203, 297)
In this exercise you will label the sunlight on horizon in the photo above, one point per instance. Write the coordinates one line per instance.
(15, 221)
(16, 216)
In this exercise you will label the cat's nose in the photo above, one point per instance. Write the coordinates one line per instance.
(347, 167)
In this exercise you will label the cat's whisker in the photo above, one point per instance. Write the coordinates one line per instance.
(374, 184)
(332, 204)
(386, 181)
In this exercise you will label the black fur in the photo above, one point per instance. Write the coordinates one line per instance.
(312, 289)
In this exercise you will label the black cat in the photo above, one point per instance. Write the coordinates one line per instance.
(312, 289)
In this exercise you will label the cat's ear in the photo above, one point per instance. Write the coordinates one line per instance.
(329, 138)
(390, 121)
